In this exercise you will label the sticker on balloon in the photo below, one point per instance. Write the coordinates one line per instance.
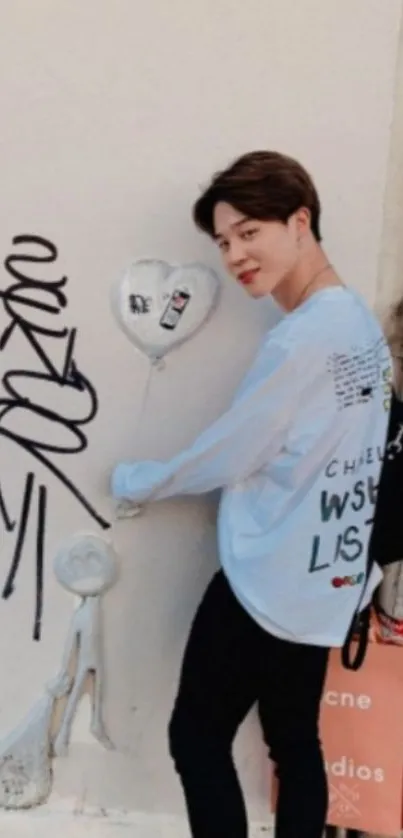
(174, 310)
(160, 306)
(139, 304)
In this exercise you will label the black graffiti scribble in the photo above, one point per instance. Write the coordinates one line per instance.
(40, 550)
(9, 585)
(23, 300)
(8, 523)
(22, 528)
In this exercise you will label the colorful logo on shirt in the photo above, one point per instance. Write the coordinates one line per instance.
(347, 581)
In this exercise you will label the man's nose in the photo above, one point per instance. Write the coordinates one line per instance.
(236, 253)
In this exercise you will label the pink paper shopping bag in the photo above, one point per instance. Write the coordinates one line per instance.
(362, 735)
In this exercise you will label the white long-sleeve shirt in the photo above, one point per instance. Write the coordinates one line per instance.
(298, 456)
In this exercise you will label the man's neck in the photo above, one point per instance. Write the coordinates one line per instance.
(313, 273)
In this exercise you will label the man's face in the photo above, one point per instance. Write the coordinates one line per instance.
(259, 254)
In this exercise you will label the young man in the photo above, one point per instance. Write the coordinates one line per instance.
(297, 457)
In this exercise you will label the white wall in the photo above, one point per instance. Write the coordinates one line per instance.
(390, 267)
(113, 116)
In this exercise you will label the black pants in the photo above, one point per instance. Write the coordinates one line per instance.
(229, 664)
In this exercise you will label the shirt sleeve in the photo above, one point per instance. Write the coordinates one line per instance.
(233, 447)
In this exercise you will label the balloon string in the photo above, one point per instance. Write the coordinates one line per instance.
(125, 508)
(144, 403)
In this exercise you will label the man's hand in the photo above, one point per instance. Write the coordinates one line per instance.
(127, 509)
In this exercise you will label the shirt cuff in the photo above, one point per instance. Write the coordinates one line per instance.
(137, 481)
(119, 487)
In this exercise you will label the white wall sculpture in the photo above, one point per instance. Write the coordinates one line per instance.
(159, 305)
(25, 759)
(86, 567)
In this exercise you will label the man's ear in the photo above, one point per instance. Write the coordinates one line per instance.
(303, 220)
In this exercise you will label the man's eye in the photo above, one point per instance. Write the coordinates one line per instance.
(249, 234)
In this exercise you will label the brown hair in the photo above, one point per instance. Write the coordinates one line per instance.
(264, 185)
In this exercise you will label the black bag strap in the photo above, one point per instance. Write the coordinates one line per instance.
(359, 627)
(361, 621)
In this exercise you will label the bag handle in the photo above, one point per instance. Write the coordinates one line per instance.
(363, 640)
(364, 622)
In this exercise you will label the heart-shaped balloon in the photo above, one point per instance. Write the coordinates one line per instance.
(159, 306)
